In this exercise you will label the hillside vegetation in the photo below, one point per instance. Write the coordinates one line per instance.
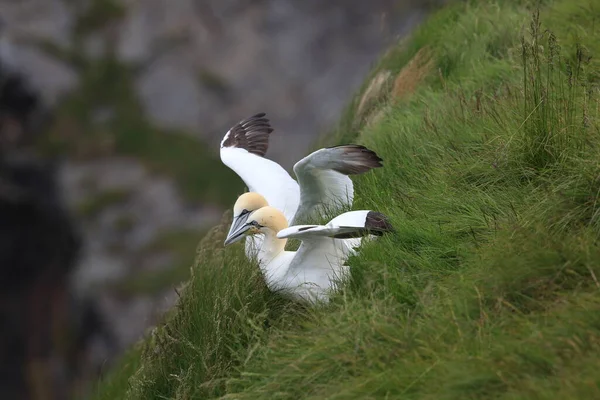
(488, 120)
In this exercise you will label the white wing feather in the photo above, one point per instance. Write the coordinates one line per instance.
(243, 148)
(266, 177)
(352, 227)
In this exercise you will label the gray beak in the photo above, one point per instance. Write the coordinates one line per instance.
(237, 230)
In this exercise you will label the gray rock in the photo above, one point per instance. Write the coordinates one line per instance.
(153, 205)
(298, 62)
(52, 77)
(34, 20)
(51, 20)
(170, 94)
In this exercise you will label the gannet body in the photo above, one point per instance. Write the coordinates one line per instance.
(316, 268)
(323, 183)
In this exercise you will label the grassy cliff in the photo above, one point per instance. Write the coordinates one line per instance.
(488, 120)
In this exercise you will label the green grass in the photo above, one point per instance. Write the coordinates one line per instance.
(115, 381)
(489, 288)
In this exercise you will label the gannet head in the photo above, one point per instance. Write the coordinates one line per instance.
(243, 207)
(247, 203)
(260, 221)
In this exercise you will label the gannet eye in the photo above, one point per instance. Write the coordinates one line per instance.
(256, 224)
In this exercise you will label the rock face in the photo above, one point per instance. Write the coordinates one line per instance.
(197, 66)
(117, 238)
(39, 245)
(298, 61)
(206, 64)
(51, 21)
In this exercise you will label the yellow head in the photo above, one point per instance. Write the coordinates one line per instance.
(244, 205)
(247, 203)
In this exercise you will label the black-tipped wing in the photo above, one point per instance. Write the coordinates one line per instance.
(323, 178)
(251, 134)
(355, 159)
(317, 248)
(243, 149)
(377, 223)
(351, 224)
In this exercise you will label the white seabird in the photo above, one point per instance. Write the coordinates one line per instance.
(323, 183)
(319, 264)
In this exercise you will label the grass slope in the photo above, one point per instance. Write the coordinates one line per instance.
(489, 127)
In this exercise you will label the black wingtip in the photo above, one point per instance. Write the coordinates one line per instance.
(378, 224)
(256, 118)
(251, 134)
(360, 159)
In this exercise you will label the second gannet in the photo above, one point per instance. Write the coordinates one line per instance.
(314, 270)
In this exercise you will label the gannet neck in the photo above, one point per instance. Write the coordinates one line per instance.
(271, 221)
(271, 247)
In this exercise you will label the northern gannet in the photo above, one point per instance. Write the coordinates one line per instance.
(311, 272)
(323, 182)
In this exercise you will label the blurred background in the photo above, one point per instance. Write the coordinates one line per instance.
(111, 114)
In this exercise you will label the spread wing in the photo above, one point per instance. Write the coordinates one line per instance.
(352, 224)
(324, 181)
(353, 227)
(243, 148)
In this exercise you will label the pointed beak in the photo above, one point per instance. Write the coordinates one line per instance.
(237, 230)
